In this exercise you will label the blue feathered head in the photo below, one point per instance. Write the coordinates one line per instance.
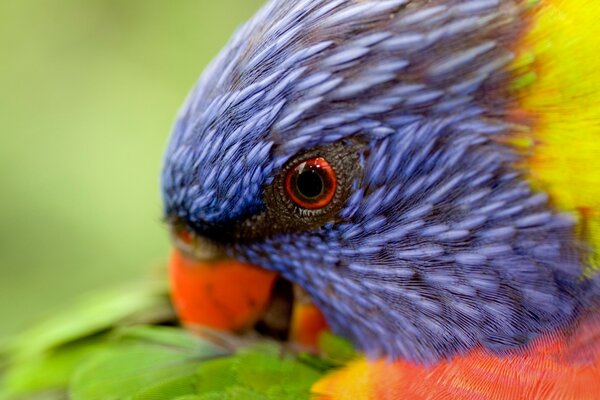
(352, 146)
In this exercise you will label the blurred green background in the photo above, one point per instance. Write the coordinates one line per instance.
(88, 93)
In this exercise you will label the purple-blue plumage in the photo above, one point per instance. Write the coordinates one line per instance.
(439, 243)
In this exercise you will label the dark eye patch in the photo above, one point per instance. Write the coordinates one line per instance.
(282, 214)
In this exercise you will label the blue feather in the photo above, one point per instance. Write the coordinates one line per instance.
(442, 245)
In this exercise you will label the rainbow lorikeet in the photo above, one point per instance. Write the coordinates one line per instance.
(419, 177)
(426, 171)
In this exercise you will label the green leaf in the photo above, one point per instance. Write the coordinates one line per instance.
(176, 338)
(46, 395)
(336, 350)
(143, 361)
(47, 372)
(189, 397)
(39, 363)
(275, 374)
(175, 388)
(217, 376)
(90, 316)
(260, 372)
(234, 393)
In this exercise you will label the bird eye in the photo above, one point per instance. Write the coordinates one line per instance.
(311, 184)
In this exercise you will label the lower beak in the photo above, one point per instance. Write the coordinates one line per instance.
(223, 294)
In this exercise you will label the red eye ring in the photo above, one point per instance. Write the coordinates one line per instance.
(311, 184)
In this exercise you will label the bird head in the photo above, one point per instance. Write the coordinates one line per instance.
(359, 149)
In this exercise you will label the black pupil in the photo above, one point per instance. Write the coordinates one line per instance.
(310, 184)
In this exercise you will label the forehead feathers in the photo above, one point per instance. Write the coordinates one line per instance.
(306, 73)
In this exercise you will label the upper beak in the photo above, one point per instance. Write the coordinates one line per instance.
(226, 294)
(219, 293)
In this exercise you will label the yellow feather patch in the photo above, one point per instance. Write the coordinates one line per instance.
(353, 382)
(558, 88)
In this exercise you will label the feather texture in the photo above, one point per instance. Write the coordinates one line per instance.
(565, 367)
(454, 235)
(557, 91)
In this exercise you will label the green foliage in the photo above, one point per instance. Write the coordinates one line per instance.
(42, 360)
(92, 315)
(174, 388)
(143, 363)
(45, 375)
(335, 350)
(98, 350)
(148, 363)
(162, 363)
(260, 372)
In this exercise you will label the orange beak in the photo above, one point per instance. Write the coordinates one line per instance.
(222, 294)
(228, 295)
(307, 324)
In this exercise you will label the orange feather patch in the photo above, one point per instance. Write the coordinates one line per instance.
(565, 367)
